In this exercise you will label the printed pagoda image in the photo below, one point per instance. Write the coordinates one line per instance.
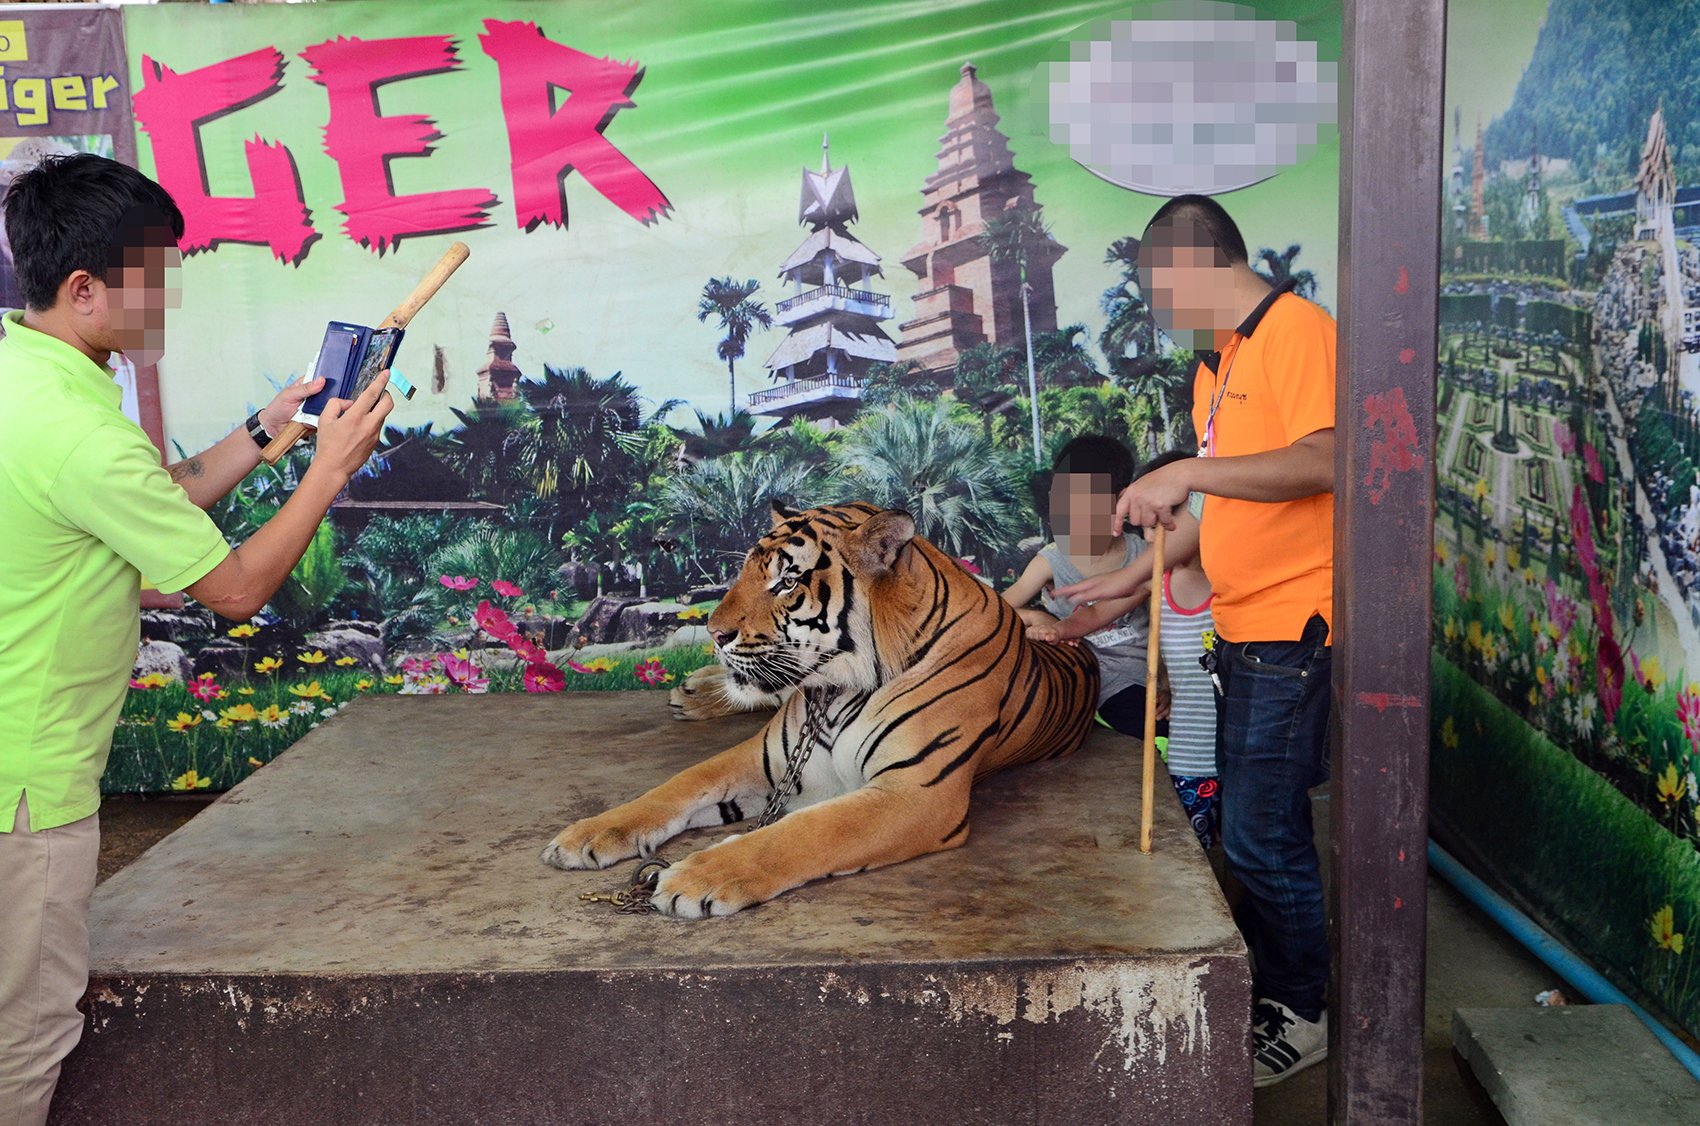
(499, 376)
(966, 298)
(832, 319)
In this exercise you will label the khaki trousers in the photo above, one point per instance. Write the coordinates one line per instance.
(46, 880)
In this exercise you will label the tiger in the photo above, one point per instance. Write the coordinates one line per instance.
(917, 680)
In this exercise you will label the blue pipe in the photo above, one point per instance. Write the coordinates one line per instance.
(1543, 946)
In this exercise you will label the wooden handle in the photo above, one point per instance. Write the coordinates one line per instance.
(1148, 782)
(291, 433)
(399, 317)
(427, 287)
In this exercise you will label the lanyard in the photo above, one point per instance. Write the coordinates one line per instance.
(1208, 447)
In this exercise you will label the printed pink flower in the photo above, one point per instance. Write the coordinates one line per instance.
(1610, 677)
(419, 666)
(1565, 439)
(505, 589)
(1461, 579)
(544, 678)
(1591, 459)
(651, 672)
(204, 687)
(1688, 712)
(531, 652)
(465, 675)
(968, 566)
(457, 582)
(1560, 609)
(495, 622)
(1582, 527)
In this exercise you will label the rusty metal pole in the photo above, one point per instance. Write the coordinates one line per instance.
(1392, 133)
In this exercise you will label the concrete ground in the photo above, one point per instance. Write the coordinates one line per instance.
(1471, 962)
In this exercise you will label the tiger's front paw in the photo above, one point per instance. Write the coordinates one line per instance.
(714, 881)
(597, 842)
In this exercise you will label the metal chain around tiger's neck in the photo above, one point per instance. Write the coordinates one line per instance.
(797, 757)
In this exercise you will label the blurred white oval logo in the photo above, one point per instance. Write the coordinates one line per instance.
(1196, 97)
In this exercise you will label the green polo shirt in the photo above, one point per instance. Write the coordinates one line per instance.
(85, 511)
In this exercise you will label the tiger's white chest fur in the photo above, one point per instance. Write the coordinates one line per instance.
(834, 766)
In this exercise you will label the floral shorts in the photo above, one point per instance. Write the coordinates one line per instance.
(1201, 797)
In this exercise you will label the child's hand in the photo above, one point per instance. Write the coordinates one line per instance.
(1121, 583)
(1031, 617)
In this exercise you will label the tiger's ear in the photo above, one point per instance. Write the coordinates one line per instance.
(782, 512)
(873, 548)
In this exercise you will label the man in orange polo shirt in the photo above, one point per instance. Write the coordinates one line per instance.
(1263, 406)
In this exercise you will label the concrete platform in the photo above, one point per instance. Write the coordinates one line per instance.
(363, 932)
(1582, 1065)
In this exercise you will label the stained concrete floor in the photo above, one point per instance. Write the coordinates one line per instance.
(1471, 962)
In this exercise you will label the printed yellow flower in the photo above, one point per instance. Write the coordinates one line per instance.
(244, 630)
(1534, 696)
(1671, 787)
(224, 723)
(396, 679)
(1512, 558)
(254, 762)
(362, 685)
(1541, 675)
(692, 613)
(1440, 551)
(1449, 733)
(599, 664)
(1528, 574)
(1491, 554)
(189, 780)
(1552, 630)
(463, 654)
(273, 716)
(268, 665)
(316, 657)
(152, 680)
(344, 662)
(1450, 630)
(1652, 673)
(1664, 929)
(244, 691)
(184, 721)
(1473, 636)
(310, 691)
(1481, 489)
(1507, 617)
(241, 713)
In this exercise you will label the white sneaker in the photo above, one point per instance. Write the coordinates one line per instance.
(1282, 1043)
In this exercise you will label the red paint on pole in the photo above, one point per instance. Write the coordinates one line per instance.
(1403, 285)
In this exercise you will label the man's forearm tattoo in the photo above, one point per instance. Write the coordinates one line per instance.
(189, 468)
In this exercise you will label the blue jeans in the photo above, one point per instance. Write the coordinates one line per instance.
(1271, 749)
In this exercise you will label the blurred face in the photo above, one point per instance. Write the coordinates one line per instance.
(1189, 288)
(137, 292)
(1083, 507)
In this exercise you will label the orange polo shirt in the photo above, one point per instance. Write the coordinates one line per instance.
(1271, 564)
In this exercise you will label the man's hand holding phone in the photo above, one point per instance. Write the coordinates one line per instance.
(349, 431)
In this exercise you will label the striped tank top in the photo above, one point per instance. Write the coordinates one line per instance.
(1192, 710)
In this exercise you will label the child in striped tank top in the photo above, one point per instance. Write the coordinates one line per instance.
(1186, 632)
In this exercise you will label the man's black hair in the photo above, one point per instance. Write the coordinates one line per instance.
(1096, 453)
(81, 212)
(1182, 219)
(1159, 462)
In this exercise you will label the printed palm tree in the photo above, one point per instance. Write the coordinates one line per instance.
(1129, 330)
(1062, 358)
(726, 501)
(483, 449)
(575, 438)
(715, 436)
(729, 302)
(964, 495)
(985, 381)
(1015, 237)
(1278, 269)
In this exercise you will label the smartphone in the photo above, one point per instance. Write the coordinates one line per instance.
(349, 358)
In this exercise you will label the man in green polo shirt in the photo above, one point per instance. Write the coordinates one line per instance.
(86, 513)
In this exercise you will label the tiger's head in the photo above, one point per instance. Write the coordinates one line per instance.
(801, 608)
